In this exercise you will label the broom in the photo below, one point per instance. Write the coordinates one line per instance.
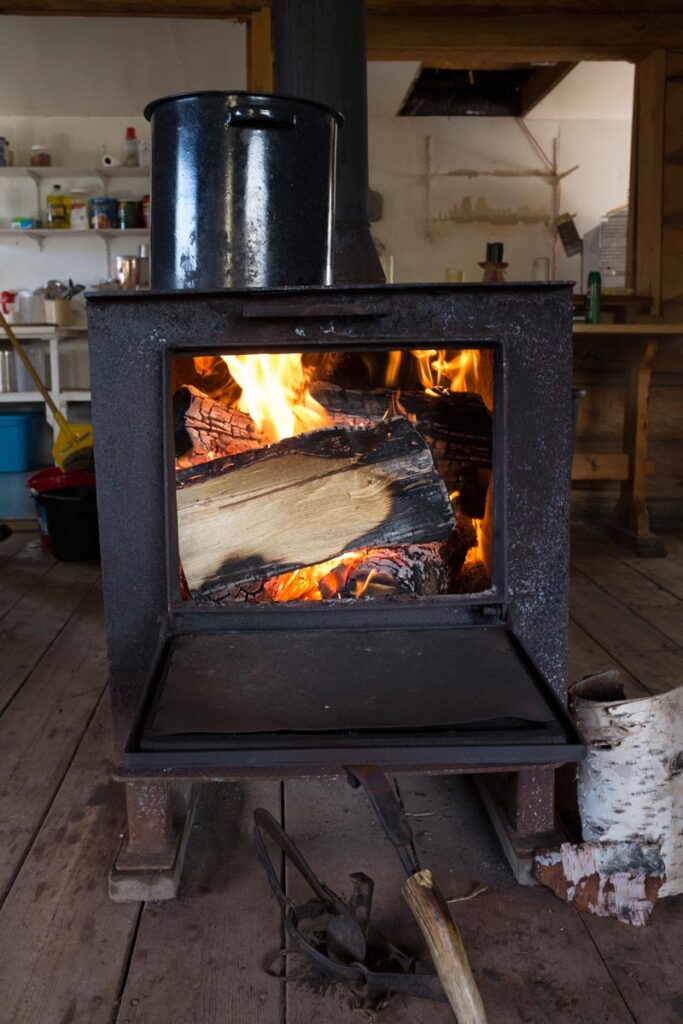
(73, 448)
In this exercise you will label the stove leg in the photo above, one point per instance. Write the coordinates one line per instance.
(150, 859)
(522, 810)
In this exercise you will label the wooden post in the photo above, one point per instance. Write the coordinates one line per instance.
(260, 72)
(631, 523)
(647, 170)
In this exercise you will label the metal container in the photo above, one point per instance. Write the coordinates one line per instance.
(104, 213)
(243, 188)
(130, 214)
(132, 271)
(8, 380)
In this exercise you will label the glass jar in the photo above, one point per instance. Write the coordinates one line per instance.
(40, 157)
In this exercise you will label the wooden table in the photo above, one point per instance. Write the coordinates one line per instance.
(630, 524)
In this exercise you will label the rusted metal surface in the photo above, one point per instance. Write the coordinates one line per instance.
(151, 840)
(531, 801)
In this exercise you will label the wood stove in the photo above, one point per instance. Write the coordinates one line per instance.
(211, 676)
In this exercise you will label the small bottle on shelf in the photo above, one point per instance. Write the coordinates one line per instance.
(132, 157)
(58, 209)
(593, 290)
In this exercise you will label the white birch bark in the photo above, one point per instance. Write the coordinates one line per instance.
(630, 786)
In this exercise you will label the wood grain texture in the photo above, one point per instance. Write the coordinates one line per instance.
(307, 499)
(652, 658)
(21, 571)
(637, 592)
(42, 727)
(446, 948)
(201, 957)
(64, 943)
(527, 949)
(31, 626)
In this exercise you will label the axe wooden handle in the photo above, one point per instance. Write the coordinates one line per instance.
(446, 947)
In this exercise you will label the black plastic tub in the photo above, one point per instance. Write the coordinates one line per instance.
(243, 191)
(71, 514)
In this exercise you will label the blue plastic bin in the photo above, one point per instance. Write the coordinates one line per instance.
(16, 441)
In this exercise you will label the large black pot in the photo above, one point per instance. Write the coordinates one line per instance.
(242, 191)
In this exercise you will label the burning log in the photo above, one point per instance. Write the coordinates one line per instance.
(456, 425)
(204, 429)
(305, 500)
(416, 570)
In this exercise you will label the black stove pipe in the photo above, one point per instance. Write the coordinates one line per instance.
(321, 54)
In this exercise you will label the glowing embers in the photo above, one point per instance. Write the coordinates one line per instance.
(276, 410)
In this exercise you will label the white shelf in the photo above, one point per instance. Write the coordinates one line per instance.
(105, 174)
(17, 397)
(40, 233)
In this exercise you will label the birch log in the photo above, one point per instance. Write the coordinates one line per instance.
(630, 786)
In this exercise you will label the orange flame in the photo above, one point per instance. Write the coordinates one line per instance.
(275, 394)
(460, 372)
(476, 552)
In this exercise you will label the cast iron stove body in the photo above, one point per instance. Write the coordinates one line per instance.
(456, 682)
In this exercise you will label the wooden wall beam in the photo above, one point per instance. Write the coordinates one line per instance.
(457, 40)
(541, 83)
(260, 66)
(239, 8)
(647, 169)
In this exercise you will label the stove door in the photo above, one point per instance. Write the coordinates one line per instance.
(289, 695)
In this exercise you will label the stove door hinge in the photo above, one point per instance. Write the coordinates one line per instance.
(494, 612)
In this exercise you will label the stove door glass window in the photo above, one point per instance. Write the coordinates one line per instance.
(334, 476)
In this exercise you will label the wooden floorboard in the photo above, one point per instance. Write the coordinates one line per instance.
(337, 832)
(70, 956)
(531, 956)
(22, 571)
(201, 958)
(649, 600)
(42, 727)
(29, 628)
(64, 943)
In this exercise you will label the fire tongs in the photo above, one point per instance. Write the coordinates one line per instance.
(346, 948)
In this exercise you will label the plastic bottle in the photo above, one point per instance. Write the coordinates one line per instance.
(593, 289)
(132, 157)
(58, 209)
(78, 214)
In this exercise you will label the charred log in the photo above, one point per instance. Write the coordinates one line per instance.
(308, 499)
(205, 428)
(456, 425)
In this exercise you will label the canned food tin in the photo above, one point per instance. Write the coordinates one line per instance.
(104, 212)
(130, 214)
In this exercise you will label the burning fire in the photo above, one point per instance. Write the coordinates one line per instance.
(460, 373)
(275, 394)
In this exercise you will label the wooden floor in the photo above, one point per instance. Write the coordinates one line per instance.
(70, 956)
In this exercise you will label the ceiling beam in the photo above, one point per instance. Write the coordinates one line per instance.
(239, 8)
(451, 38)
(230, 8)
(540, 83)
(458, 41)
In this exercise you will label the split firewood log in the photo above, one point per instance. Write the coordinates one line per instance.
(308, 499)
(205, 428)
(456, 425)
